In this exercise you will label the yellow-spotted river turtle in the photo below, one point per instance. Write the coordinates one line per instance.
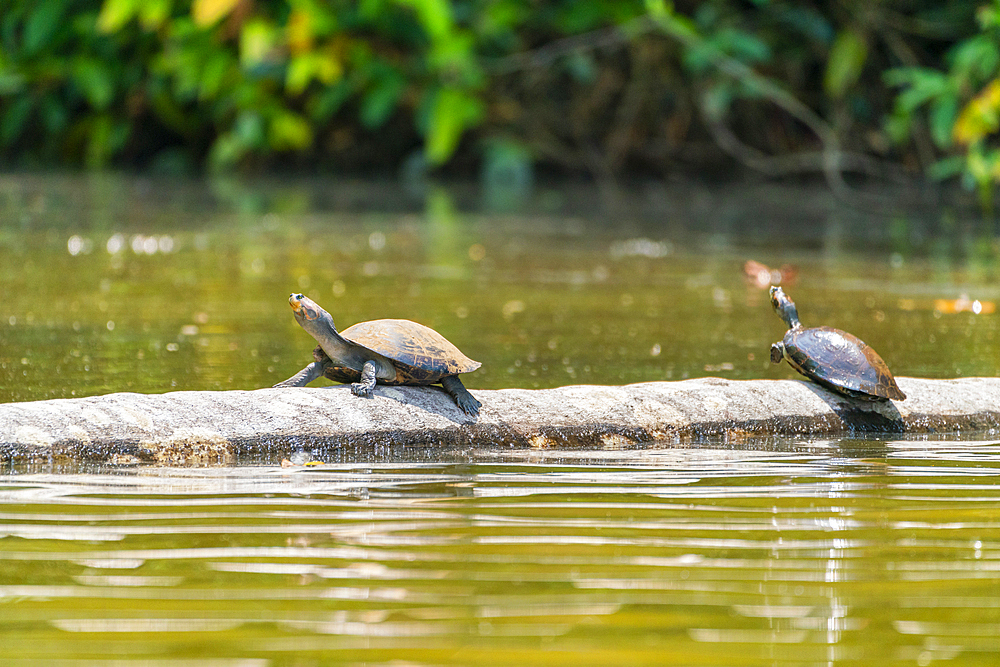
(391, 352)
(831, 357)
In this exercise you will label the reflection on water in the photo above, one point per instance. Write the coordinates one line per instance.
(825, 553)
(136, 285)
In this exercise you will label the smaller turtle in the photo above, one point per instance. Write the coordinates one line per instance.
(831, 357)
(392, 352)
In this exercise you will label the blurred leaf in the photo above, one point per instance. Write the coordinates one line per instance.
(715, 100)
(330, 100)
(42, 24)
(980, 117)
(105, 137)
(226, 151)
(378, 105)
(14, 119)
(290, 131)
(258, 39)
(302, 69)
(95, 81)
(452, 113)
(153, 14)
(943, 113)
(11, 82)
(974, 60)
(845, 63)
(249, 129)
(54, 115)
(213, 75)
(207, 12)
(116, 13)
(947, 168)
(434, 15)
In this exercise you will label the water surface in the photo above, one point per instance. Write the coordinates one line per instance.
(116, 284)
(824, 553)
(782, 552)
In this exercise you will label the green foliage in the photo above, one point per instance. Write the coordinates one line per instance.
(962, 104)
(236, 83)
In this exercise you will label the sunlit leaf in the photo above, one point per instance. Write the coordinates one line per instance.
(154, 13)
(115, 14)
(299, 31)
(257, 41)
(980, 117)
(452, 113)
(434, 15)
(290, 131)
(845, 63)
(208, 12)
(302, 69)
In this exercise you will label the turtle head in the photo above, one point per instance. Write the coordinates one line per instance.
(311, 316)
(784, 307)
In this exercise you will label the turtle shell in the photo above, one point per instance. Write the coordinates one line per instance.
(420, 354)
(840, 361)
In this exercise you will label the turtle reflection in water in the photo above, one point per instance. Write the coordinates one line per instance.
(831, 357)
(392, 352)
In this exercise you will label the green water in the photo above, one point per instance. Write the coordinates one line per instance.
(782, 552)
(132, 285)
(826, 553)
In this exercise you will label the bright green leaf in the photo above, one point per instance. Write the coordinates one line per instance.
(434, 15)
(290, 131)
(115, 14)
(257, 41)
(845, 63)
(302, 69)
(453, 112)
(154, 13)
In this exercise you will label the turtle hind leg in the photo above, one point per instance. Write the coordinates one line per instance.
(366, 387)
(303, 377)
(466, 401)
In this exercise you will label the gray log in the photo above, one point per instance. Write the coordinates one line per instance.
(196, 427)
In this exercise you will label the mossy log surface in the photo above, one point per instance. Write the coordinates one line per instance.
(203, 427)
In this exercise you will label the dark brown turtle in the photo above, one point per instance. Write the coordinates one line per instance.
(391, 352)
(831, 357)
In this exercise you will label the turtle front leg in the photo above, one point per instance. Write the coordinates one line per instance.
(777, 353)
(367, 385)
(303, 377)
(466, 401)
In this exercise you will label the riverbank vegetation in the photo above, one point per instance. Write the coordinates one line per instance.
(503, 88)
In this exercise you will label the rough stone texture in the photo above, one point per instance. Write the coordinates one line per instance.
(220, 427)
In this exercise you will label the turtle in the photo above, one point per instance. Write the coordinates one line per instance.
(392, 352)
(833, 358)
